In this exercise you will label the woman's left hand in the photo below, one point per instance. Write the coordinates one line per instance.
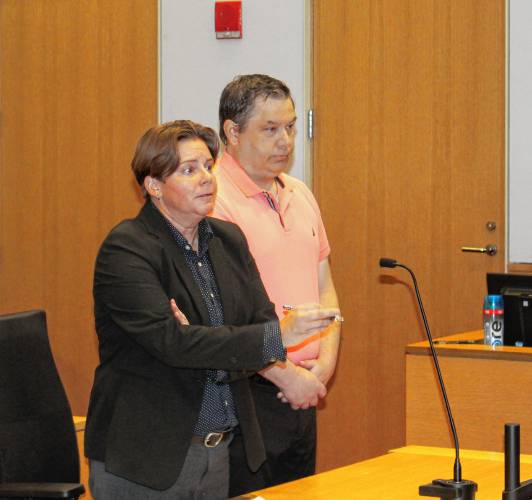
(178, 315)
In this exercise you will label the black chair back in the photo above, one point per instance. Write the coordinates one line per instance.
(37, 435)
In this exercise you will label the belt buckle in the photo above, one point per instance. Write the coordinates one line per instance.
(213, 439)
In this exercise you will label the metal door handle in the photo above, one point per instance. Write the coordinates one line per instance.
(489, 249)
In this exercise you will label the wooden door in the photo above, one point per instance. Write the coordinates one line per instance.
(409, 164)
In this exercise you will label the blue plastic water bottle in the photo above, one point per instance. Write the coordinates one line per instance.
(493, 320)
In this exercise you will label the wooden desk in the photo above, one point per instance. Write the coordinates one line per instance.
(398, 475)
(486, 387)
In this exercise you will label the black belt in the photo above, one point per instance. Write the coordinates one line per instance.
(213, 439)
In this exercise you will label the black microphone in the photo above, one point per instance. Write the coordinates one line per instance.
(457, 487)
(384, 262)
(514, 489)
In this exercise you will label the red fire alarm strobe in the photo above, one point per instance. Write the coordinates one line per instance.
(228, 19)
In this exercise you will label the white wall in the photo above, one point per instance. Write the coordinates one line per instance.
(195, 66)
(520, 132)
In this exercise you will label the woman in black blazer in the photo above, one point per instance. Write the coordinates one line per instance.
(171, 387)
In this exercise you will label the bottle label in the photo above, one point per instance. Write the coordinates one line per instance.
(498, 312)
(493, 331)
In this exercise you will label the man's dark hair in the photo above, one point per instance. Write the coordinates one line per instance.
(239, 96)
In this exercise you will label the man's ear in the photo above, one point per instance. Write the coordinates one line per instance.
(231, 130)
(152, 186)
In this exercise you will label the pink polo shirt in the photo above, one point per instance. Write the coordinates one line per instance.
(287, 244)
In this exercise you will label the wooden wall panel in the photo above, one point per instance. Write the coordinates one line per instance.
(78, 86)
(485, 393)
(408, 164)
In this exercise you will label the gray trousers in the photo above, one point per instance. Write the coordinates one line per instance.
(205, 476)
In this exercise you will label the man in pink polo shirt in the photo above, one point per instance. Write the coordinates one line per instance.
(283, 225)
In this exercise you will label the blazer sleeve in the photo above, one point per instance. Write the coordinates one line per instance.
(128, 293)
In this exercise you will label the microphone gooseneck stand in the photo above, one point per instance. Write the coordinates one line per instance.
(457, 488)
(513, 488)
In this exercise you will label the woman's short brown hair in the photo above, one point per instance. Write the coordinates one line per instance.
(157, 155)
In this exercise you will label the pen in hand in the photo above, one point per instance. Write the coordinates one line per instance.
(338, 318)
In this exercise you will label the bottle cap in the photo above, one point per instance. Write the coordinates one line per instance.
(493, 302)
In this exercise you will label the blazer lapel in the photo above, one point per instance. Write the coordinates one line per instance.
(157, 226)
(184, 272)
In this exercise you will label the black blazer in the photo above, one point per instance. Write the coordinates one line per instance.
(149, 385)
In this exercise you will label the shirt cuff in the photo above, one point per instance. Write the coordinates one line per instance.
(273, 349)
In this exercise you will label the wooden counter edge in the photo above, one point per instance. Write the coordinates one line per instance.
(470, 350)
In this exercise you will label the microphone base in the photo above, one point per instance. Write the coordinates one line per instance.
(447, 488)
